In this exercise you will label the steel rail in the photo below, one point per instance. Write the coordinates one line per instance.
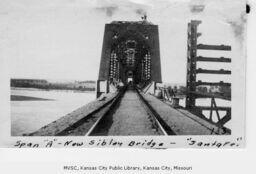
(85, 118)
(166, 130)
(152, 115)
(110, 109)
(162, 127)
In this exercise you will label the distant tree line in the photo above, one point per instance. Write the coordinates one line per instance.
(43, 84)
(220, 90)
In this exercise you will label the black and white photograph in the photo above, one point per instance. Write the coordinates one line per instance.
(127, 86)
(161, 70)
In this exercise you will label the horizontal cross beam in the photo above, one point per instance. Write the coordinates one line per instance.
(219, 108)
(207, 71)
(207, 95)
(213, 83)
(214, 47)
(212, 59)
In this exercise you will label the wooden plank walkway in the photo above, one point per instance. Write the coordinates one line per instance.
(181, 121)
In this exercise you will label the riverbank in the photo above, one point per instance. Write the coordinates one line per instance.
(27, 98)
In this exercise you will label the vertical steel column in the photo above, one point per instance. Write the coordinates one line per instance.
(191, 62)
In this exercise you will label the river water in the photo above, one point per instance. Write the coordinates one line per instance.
(28, 116)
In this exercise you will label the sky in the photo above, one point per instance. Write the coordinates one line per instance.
(62, 39)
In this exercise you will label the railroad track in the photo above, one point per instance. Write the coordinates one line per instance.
(82, 126)
(160, 123)
(100, 122)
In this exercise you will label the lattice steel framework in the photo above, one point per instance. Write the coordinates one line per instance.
(129, 47)
(193, 70)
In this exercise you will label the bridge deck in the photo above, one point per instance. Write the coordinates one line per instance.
(129, 118)
(181, 121)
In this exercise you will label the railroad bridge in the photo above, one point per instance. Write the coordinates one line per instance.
(130, 99)
(130, 53)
